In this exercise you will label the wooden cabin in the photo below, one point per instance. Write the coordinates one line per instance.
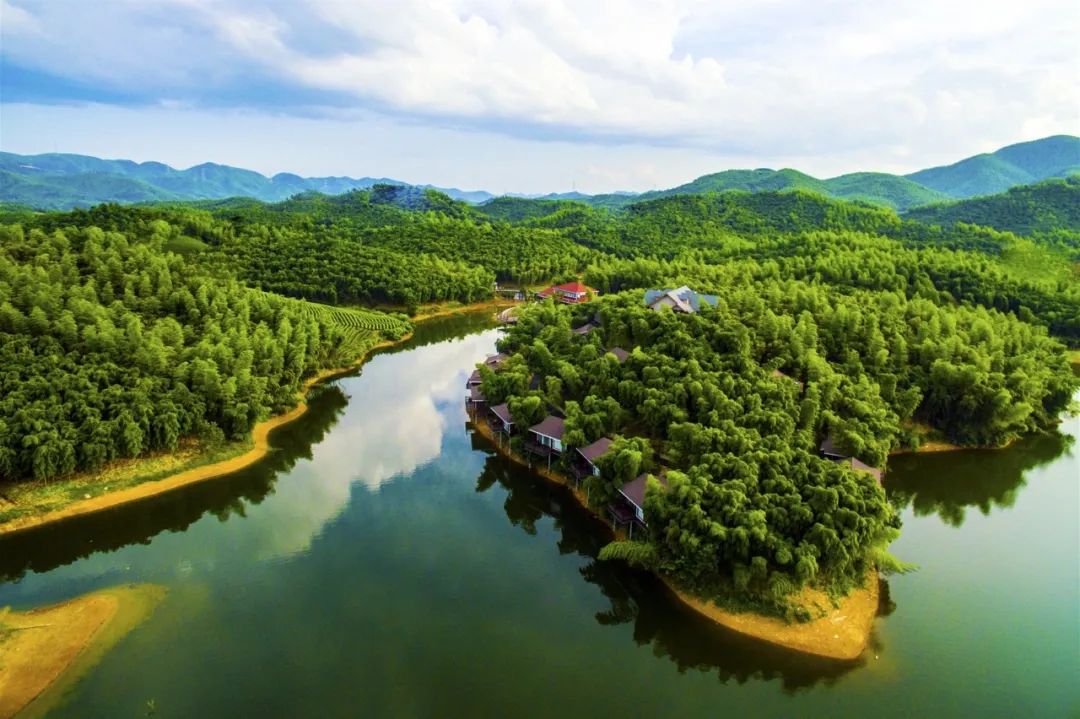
(589, 454)
(500, 418)
(634, 493)
(781, 375)
(475, 398)
(474, 379)
(584, 329)
(547, 435)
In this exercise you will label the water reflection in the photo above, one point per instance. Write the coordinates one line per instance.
(948, 483)
(396, 427)
(638, 599)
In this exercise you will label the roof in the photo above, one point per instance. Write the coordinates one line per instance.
(593, 451)
(475, 395)
(546, 292)
(474, 378)
(620, 354)
(572, 287)
(502, 411)
(828, 446)
(684, 298)
(584, 329)
(782, 375)
(551, 427)
(495, 359)
(859, 466)
(635, 490)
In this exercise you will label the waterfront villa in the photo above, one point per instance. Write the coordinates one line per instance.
(589, 454)
(545, 438)
(500, 419)
(681, 299)
(474, 379)
(832, 452)
(476, 398)
(571, 293)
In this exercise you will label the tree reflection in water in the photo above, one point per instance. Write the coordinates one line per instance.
(638, 599)
(947, 483)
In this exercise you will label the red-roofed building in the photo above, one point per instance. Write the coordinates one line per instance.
(570, 293)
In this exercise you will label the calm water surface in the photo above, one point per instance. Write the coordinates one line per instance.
(383, 562)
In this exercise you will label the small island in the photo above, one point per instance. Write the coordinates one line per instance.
(736, 441)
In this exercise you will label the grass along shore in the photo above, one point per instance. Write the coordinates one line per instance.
(840, 631)
(24, 506)
(44, 651)
(130, 480)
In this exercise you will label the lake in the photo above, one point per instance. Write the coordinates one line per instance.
(384, 562)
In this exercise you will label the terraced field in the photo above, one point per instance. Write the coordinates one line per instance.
(361, 328)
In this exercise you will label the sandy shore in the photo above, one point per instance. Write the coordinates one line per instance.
(842, 633)
(45, 651)
(260, 447)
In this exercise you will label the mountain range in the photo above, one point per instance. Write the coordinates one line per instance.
(62, 181)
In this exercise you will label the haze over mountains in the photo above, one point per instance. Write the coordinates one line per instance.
(63, 181)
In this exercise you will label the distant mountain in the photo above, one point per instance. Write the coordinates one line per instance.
(1020, 164)
(63, 181)
(1046, 207)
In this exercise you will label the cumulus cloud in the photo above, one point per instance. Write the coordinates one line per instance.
(783, 77)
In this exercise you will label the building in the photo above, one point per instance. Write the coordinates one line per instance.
(584, 329)
(830, 451)
(476, 398)
(570, 293)
(547, 436)
(474, 379)
(681, 299)
(620, 354)
(780, 375)
(501, 420)
(589, 454)
(495, 360)
(634, 493)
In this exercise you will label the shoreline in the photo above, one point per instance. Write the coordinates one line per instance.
(45, 650)
(841, 635)
(260, 447)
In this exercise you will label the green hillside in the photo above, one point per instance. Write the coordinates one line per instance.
(1019, 164)
(1045, 207)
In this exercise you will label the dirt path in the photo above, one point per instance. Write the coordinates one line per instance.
(44, 651)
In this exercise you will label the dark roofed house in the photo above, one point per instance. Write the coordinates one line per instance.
(501, 420)
(592, 452)
(680, 299)
(860, 466)
(782, 375)
(547, 435)
(830, 450)
(474, 379)
(476, 398)
(495, 360)
(634, 493)
(620, 354)
(584, 329)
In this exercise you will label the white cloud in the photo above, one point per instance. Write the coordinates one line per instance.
(779, 78)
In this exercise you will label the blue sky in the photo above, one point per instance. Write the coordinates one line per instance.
(538, 95)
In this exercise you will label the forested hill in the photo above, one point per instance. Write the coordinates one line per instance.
(63, 181)
(1050, 208)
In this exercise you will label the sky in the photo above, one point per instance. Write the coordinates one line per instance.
(537, 96)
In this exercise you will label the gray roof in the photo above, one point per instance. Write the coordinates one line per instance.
(475, 395)
(551, 427)
(495, 359)
(828, 446)
(593, 451)
(859, 466)
(620, 354)
(584, 329)
(502, 411)
(682, 296)
(635, 490)
(474, 378)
